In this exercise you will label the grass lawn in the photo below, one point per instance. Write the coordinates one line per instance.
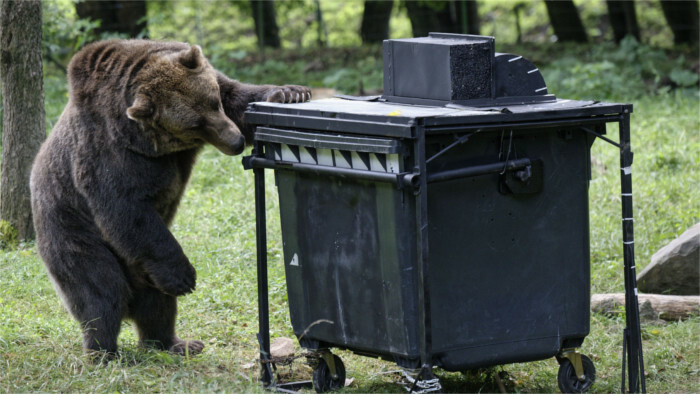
(40, 343)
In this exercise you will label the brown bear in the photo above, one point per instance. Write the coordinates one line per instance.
(107, 182)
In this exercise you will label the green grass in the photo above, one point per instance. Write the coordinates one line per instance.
(40, 343)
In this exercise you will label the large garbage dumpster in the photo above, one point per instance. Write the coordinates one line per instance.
(442, 224)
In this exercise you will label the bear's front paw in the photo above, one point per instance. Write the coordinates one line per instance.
(288, 94)
(176, 278)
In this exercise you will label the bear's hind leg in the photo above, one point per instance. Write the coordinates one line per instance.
(100, 308)
(154, 314)
(92, 286)
(100, 338)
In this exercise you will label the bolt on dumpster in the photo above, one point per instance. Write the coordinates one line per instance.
(443, 224)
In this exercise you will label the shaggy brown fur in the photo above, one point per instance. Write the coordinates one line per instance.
(107, 182)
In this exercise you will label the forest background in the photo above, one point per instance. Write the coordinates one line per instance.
(322, 44)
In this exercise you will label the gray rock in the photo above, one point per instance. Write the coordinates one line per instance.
(675, 268)
(282, 348)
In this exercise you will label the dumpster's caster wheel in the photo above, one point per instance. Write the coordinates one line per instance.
(569, 382)
(324, 380)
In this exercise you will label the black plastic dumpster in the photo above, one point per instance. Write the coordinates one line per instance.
(442, 224)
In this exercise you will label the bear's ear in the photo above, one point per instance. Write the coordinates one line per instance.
(141, 109)
(192, 59)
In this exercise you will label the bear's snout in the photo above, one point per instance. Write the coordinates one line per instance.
(225, 136)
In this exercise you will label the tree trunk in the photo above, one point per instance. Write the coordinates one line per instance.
(375, 21)
(469, 16)
(682, 18)
(446, 16)
(321, 32)
(432, 16)
(265, 23)
(422, 18)
(566, 21)
(651, 306)
(623, 19)
(23, 122)
(120, 16)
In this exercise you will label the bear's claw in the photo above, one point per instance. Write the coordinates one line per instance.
(288, 94)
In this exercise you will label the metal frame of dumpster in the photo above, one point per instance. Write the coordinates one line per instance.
(584, 118)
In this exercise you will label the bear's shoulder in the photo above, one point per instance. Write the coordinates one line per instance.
(115, 60)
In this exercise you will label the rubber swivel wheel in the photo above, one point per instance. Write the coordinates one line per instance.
(323, 379)
(569, 382)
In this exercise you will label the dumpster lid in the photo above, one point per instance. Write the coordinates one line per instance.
(381, 118)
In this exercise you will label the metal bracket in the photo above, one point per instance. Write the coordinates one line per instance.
(458, 140)
(328, 357)
(575, 357)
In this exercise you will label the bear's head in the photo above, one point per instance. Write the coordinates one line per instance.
(178, 105)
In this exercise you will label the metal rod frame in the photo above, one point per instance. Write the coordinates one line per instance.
(632, 333)
(424, 311)
(267, 376)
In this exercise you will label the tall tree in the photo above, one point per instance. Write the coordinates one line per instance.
(623, 19)
(23, 127)
(375, 21)
(265, 23)
(444, 16)
(566, 21)
(120, 16)
(682, 18)
(469, 16)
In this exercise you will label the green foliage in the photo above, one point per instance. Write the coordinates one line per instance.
(8, 235)
(498, 19)
(217, 26)
(652, 24)
(339, 68)
(366, 75)
(621, 72)
(683, 78)
(55, 96)
(342, 23)
(63, 32)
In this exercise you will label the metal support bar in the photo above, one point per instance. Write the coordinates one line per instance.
(411, 180)
(401, 179)
(478, 170)
(458, 141)
(424, 312)
(602, 137)
(635, 361)
(267, 376)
